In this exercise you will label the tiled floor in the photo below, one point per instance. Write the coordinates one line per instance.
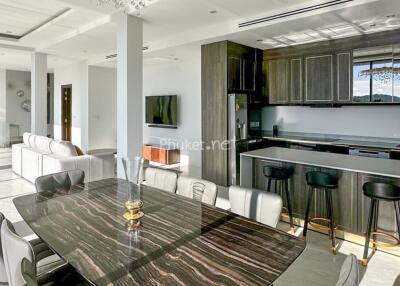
(315, 267)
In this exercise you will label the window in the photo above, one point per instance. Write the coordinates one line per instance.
(377, 87)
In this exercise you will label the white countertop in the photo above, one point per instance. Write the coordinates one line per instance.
(374, 166)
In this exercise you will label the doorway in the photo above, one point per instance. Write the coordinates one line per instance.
(66, 112)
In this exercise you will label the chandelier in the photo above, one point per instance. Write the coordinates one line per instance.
(126, 5)
(384, 74)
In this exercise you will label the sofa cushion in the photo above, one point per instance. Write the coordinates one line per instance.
(41, 144)
(31, 141)
(63, 148)
(26, 138)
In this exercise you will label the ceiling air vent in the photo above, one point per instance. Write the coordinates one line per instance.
(294, 12)
(111, 56)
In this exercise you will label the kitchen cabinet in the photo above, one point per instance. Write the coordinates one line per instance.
(234, 73)
(226, 67)
(277, 78)
(241, 68)
(344, 197)
(319, 79)
(296, 85)
(344, 77)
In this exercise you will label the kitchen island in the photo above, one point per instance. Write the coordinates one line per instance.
(350, 205)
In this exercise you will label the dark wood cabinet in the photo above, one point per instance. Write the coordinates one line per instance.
(234, 73)
(277, 78)
(248, 76)
(214, 113)
(296, 80)
(344, 197)
(227, 67)
(319, 79)
(241, 68)
(344, 76)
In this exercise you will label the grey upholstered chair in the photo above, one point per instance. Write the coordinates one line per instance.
(349, 274)
(188, 187)
(15, 249)
(161, 179)
(261, 206)
(60, 181)
(3, 274)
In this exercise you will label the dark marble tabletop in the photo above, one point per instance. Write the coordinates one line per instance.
(180, 241)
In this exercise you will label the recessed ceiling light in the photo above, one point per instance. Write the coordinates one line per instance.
(372, 25)
(213, 12)
(391, 16)
(9, 32)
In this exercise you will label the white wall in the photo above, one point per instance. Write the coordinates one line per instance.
(181, 77)
(102, 108)
(77, 76)
(374, 121)
(18, 80)
(3, 129)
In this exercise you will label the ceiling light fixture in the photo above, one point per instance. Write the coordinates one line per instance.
(213, 12)
(126, 5)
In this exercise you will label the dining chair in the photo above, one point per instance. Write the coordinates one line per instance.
(161, 179)
(15, 249)
(60, 181)
(197, 189)
(261, 206)
(349, 273)
(3, 274)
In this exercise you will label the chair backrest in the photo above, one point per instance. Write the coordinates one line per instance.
(3, 274)
(161, 179)
(186, 186)
(261, 206)
(15, 249)
(349, 274)
(59, 181)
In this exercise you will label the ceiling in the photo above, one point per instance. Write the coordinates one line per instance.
(74, 30)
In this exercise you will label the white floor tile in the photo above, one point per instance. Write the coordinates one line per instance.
(17, 187)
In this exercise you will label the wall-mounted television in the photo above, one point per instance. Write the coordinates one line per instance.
(162, 111)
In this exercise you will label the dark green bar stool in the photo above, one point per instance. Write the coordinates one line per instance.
(379, 191)
(321, 181)
(282, 175)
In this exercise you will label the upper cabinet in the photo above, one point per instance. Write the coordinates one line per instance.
(344, 77)
(358, 70)
(241, 68)
(278, 81)
(296, 80)
(319, 79)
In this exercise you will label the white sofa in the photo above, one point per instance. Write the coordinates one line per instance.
(39, 156)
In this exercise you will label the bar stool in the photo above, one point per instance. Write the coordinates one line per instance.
(379, 191)
(321, 181)
(282, 175)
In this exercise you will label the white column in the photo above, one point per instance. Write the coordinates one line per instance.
(129, 88)
(39, 94)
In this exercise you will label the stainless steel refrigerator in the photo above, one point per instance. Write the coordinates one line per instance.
(237, 134)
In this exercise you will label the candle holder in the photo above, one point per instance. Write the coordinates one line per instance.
(134, 205)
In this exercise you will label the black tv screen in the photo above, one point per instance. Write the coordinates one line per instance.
(162, 110)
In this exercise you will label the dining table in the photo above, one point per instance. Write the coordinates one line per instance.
(180, 241)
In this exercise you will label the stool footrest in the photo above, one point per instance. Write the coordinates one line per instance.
(313, 222)
(395, 240)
